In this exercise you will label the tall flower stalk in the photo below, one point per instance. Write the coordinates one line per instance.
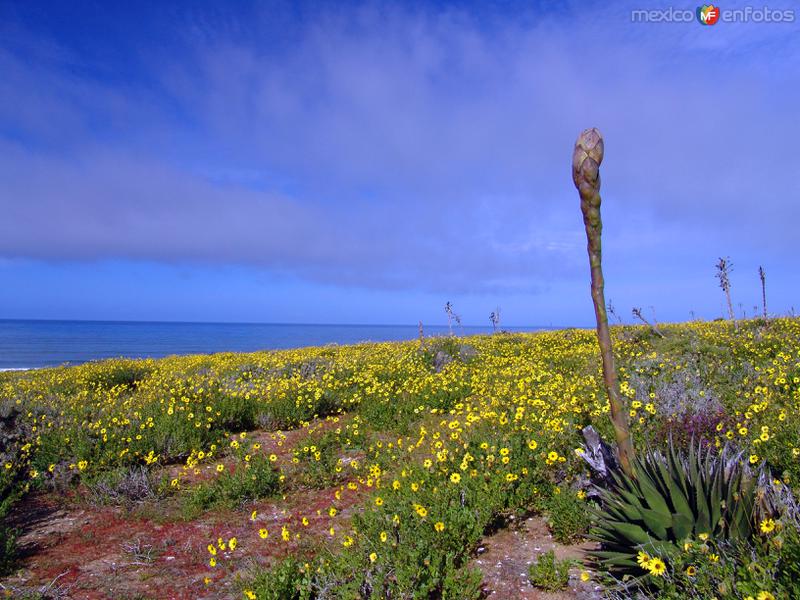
(586, 159)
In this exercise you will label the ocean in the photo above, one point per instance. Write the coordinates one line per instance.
(36, 344)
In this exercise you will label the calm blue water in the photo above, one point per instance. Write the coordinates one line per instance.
(31, 344)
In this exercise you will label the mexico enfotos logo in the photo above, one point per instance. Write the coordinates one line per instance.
(710, 14)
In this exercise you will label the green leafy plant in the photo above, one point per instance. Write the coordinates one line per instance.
(8, 549)
(672, 498)
(548, 573)
(319, 459)
(249, 481)
(567, 516)
(289, 579)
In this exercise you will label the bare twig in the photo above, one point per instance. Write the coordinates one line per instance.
(637, 312)
(613, 312)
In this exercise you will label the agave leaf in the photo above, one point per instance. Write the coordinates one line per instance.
(678, 498)
(656, 522)
(617, 559)
(682, 526)
(715, 500)
(631, 531)
(654, 498)
(679, 488)
(661, 548)
(703, 523)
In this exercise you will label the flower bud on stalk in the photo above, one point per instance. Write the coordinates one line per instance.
(586, 161)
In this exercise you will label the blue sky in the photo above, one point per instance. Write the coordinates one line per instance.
(365, 163)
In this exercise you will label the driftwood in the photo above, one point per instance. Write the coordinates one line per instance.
(601, 458)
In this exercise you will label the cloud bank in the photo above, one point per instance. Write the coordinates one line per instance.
(393, 148)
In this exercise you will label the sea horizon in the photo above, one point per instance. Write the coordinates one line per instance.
(39, 343)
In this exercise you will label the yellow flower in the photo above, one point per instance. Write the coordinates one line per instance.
(384, 536)
(439, 526)
(232, 543)
(585, 576)
(753, 459)
(250, 595)
(691, 571)
(656, 566)
(765, 596)
(767, 526)
(373, 557)
(212, 562)
(378, 501)
(220, 468)
(642, 558)
(263, 533)
(455, 477)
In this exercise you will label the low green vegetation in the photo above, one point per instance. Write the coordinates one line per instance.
(411, 460)
(251, 479)
(567, 516)
(549, 573)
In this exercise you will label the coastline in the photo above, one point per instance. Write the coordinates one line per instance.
(27, 345)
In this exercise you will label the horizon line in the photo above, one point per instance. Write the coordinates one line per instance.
(162, 322)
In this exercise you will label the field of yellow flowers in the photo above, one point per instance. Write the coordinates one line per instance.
(373, 470)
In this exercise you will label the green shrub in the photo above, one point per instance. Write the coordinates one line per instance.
(287, 580)
(319, 459)
(567, 516)
(549, 574)
(8, 549)
(788, 569)
(249, 481)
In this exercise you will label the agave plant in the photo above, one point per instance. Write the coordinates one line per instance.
(674, 497)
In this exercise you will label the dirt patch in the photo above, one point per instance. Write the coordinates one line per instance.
(74, 550)
(110, 553)
(505, 557)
